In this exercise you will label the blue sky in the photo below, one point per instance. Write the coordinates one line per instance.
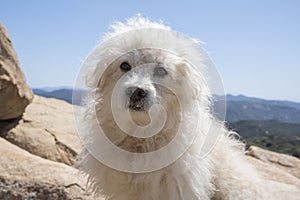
(254, 44)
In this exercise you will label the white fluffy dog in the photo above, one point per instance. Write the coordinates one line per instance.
(155, 58)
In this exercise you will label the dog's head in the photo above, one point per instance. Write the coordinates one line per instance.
(145, 75)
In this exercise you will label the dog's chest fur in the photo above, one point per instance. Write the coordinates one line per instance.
(187, 178)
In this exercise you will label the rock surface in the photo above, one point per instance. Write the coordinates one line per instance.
(284, 162)
(26, 176)
(46, 129)
(274, 173)
(15, 94)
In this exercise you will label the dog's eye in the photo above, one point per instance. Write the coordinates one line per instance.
(125, 67)
(160, 71)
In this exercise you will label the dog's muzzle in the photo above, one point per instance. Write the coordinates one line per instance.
(137, 98)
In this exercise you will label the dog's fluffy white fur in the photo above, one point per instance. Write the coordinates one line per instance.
(223, 174)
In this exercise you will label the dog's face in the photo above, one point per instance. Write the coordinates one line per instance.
(135, 82)
(146, 77)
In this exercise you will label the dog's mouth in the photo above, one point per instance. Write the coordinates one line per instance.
(137, 106)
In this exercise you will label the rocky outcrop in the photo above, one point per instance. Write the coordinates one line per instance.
(15, 94)
(274, 173)
(284, 162)
(26, 176)
(46, 129)
(38, 143)
(37, 153)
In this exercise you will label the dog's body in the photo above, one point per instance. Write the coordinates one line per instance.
(223, 173)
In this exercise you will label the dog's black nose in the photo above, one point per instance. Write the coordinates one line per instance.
(138, 94)
(137, 98)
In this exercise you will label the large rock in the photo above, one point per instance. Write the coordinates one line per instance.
(272, 173)
(26, 176)
(46, 129)
(284, 162)
(15, 94)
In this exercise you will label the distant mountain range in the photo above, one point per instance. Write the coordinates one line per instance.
(65, 94)
(249, 108)
(271, 124)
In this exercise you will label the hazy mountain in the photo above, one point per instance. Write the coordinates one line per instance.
(249, 108)
(230, 97)
(62, 94)
(51, 89)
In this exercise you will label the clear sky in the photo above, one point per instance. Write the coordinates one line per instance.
(254, 44)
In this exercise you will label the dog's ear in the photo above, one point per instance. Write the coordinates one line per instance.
(101, 82)
(182, 68)
(199, 87)
(111, 72)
